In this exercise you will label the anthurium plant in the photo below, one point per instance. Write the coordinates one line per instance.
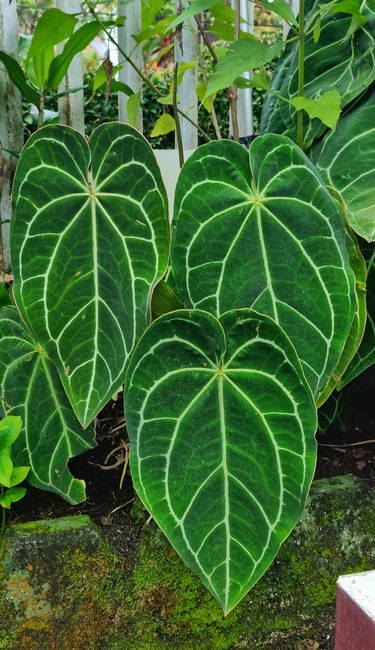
(10, 476)
(260, 319)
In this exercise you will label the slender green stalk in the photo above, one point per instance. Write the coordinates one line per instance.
(41, 111)
(301, 69)
(3, 516)
(176, 117)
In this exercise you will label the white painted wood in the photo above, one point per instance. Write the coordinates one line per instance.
(169, 164)
(11, 128)
(360, 587)
(71, 107)
(186, 50)
(133, 24)
(244, 95)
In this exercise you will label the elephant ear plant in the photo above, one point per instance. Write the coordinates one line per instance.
(221, 392)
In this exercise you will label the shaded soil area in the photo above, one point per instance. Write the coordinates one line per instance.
(111, 501)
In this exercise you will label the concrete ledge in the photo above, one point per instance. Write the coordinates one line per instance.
(62, 587)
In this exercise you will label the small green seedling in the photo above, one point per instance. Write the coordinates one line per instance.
(10, 476)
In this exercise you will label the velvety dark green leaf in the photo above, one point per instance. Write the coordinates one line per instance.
(365, 356)
(345, 64)
(53, 27)
(221, 425)
(17, 76)
(346, 160)
(4, 295)
(31, 387)
(333, 412)
(357, 329)
(265, 233)
(90, 238)
(164, 300)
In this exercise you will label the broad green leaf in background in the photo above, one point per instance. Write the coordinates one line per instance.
(326, 107)
(333, 412)
(16, 75)
(242, 56)
(345, 64)
(282, 9)
(365, 356)
(265, 233)
(196, 7)
(41, 64)
(164, 124)
(51, 435)
(53, 27)
(77, 42)
(346, 160)
(221, 425)
(90, 239)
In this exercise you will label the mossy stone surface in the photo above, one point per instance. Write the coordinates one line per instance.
(62, 586)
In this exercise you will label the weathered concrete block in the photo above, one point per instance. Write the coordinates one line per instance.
(63, 588)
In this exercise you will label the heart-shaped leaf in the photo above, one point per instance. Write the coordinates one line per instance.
(346, 160)
(11, 496)
(31, 388)
(90, 240)
(266, 233)
(221, 424)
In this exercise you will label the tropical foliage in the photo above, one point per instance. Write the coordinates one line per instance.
(261, 310)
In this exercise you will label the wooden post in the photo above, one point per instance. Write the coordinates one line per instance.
(185, 50)
(133, 25)
(71, 107)
(244, 95)
(11, 126)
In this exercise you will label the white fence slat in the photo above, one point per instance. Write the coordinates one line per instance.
(70, 107)
(133, 25)
(185, 50)
(11, 127)
(244, 95)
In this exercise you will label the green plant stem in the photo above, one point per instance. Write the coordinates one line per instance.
(176, 117)
(41, 111)
(143, 76)
(3, 516)
(214, 120)
(207, 42)
(301, 69)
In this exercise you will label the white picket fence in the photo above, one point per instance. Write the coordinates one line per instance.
(71, 107)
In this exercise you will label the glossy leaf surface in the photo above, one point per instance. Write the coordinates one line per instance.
(31, 388)
(265, 233)
(221, 424)
(89, 242)
(346, 160)
(345, 63)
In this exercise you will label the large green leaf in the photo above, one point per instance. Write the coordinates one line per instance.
(89, 243)
(16, 75)
(345, 64)
(221, 425)
(30, 387)
(365, 356)
(346, 160)
(53, 27)
(265, 233)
